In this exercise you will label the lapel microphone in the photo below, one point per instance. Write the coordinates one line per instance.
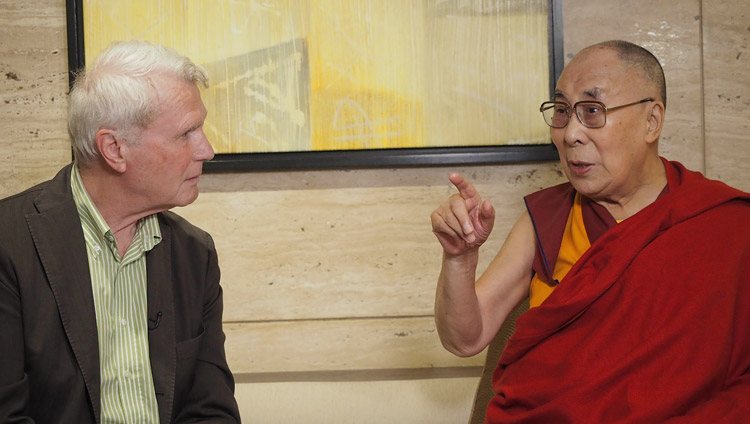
(153, 323)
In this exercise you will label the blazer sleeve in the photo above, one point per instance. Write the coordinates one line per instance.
(211, 396)
(14, 385)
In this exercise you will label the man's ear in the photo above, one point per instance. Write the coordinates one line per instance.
(655, 121)
(111, 149)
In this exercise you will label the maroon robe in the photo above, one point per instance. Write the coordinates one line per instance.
(651, 325)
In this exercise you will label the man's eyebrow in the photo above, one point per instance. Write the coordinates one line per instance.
(558, 95)
(594, 93)
(192, 127)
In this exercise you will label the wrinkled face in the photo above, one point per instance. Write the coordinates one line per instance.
(165, 164)
(604, 163)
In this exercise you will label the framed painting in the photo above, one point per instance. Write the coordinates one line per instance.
(352, 83)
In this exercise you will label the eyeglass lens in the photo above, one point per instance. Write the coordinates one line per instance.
(591, 114)
(557, 114)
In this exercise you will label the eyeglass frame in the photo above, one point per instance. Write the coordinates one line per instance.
(569, 110)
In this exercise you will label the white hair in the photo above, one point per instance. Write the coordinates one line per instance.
(118, 92)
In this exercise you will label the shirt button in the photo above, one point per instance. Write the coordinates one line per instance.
(127, 374)
(123, 322)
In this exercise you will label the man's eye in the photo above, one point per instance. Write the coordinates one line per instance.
(561, 110)
(591, 109)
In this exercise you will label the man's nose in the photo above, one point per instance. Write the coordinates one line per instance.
(575, 131)
(204, 150)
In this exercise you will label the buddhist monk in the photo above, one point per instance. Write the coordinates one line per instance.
(637, 270)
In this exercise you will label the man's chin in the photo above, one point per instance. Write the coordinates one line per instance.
(186, 199)
(586, 187)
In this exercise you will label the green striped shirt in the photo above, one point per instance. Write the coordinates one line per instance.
(119, 286)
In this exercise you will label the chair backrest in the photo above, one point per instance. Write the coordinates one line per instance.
(484, 389)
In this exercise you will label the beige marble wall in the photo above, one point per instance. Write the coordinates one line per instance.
(33, 86)
(329, 275)
(726, 91)
(341, 265)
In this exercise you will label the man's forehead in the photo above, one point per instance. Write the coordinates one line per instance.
(592, 74)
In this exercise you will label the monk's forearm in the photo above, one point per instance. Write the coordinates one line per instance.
(457, 312)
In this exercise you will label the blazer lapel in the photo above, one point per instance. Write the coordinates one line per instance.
(161, 335)
(58, 237)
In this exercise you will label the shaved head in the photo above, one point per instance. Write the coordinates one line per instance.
(634, 56)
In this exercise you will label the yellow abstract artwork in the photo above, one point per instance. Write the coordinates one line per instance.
(330, 75)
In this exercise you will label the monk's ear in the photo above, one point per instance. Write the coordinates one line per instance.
(111, 149)
(655, 121)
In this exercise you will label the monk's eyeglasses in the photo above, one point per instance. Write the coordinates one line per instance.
(591, 113)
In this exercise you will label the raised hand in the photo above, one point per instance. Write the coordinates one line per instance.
(464, 221)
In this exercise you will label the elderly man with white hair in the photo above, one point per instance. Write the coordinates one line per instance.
(110, 305)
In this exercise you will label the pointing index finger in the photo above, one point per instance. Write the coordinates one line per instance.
(465, 188)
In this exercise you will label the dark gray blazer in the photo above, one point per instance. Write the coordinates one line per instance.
(49, 355)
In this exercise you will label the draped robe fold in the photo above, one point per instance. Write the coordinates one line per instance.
(652, 324)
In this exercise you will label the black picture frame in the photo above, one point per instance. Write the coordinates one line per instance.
(377, 158)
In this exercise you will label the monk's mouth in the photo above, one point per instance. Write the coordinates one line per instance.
(581, 168)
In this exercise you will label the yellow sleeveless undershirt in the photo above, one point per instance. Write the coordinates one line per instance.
(575, 243)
